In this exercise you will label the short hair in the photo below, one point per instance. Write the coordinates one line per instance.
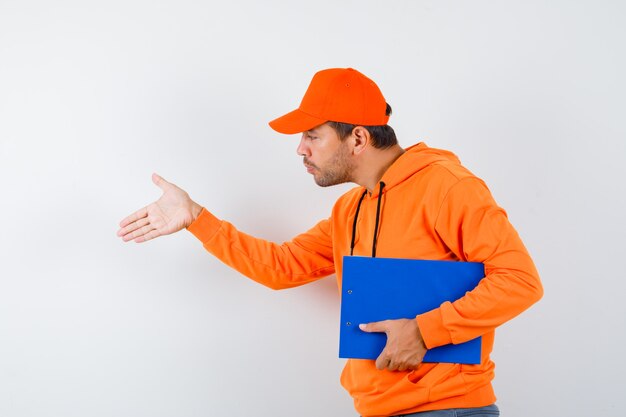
(383, 136)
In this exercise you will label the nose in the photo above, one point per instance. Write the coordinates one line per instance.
(303, 149)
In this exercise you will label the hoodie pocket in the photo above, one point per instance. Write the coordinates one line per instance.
(443, 381)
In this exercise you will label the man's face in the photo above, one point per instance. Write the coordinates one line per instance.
(326, 156)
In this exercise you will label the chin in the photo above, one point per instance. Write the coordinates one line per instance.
(329, 183)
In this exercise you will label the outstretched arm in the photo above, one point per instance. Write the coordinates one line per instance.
(306, 258)
(174, 211)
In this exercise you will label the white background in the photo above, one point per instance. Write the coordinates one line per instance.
(95, 96)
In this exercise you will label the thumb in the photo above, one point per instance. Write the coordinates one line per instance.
(160, 182)
(375, 327)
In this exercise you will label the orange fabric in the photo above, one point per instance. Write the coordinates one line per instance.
(432, 208)
(339, 95)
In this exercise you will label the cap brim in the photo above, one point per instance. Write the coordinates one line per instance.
(296, 121)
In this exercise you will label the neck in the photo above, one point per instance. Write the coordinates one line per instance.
(374, 164)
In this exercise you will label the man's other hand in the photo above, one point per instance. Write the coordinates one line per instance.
(405, 347)
(169, 214)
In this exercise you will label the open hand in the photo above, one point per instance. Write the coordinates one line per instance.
(172, 212)
(405, 346)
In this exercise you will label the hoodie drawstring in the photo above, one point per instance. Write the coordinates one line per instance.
(380, 197)
(356, 216)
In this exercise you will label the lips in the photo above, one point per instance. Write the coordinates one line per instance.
(309, 167)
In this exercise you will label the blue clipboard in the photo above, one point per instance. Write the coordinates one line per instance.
(375, 289)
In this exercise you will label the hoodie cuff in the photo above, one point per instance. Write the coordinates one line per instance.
(432, 329)
(205, 226)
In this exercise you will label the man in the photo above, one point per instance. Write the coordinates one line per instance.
(418, 203)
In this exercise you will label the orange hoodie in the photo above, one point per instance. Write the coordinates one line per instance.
(430, 208)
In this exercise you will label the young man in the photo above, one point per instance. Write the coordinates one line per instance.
(416, 203)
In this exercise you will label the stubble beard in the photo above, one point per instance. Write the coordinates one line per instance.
(338, 171)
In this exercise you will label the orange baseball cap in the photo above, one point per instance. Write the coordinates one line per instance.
(339, 95)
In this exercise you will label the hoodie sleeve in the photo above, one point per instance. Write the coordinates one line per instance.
(304, 259)
(473, 227)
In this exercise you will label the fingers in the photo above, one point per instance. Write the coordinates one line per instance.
(139, 214)
(139, 234)
(394, 363)
(148, 236)
(160, 182)
(376, 327)
(404, 349)
(147, 223)
(137, 227)
(383, 361)
(387, 361)
(133, 226)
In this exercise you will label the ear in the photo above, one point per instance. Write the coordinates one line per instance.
(361, 138)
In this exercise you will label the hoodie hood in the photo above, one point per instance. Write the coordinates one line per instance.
(414, 159)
